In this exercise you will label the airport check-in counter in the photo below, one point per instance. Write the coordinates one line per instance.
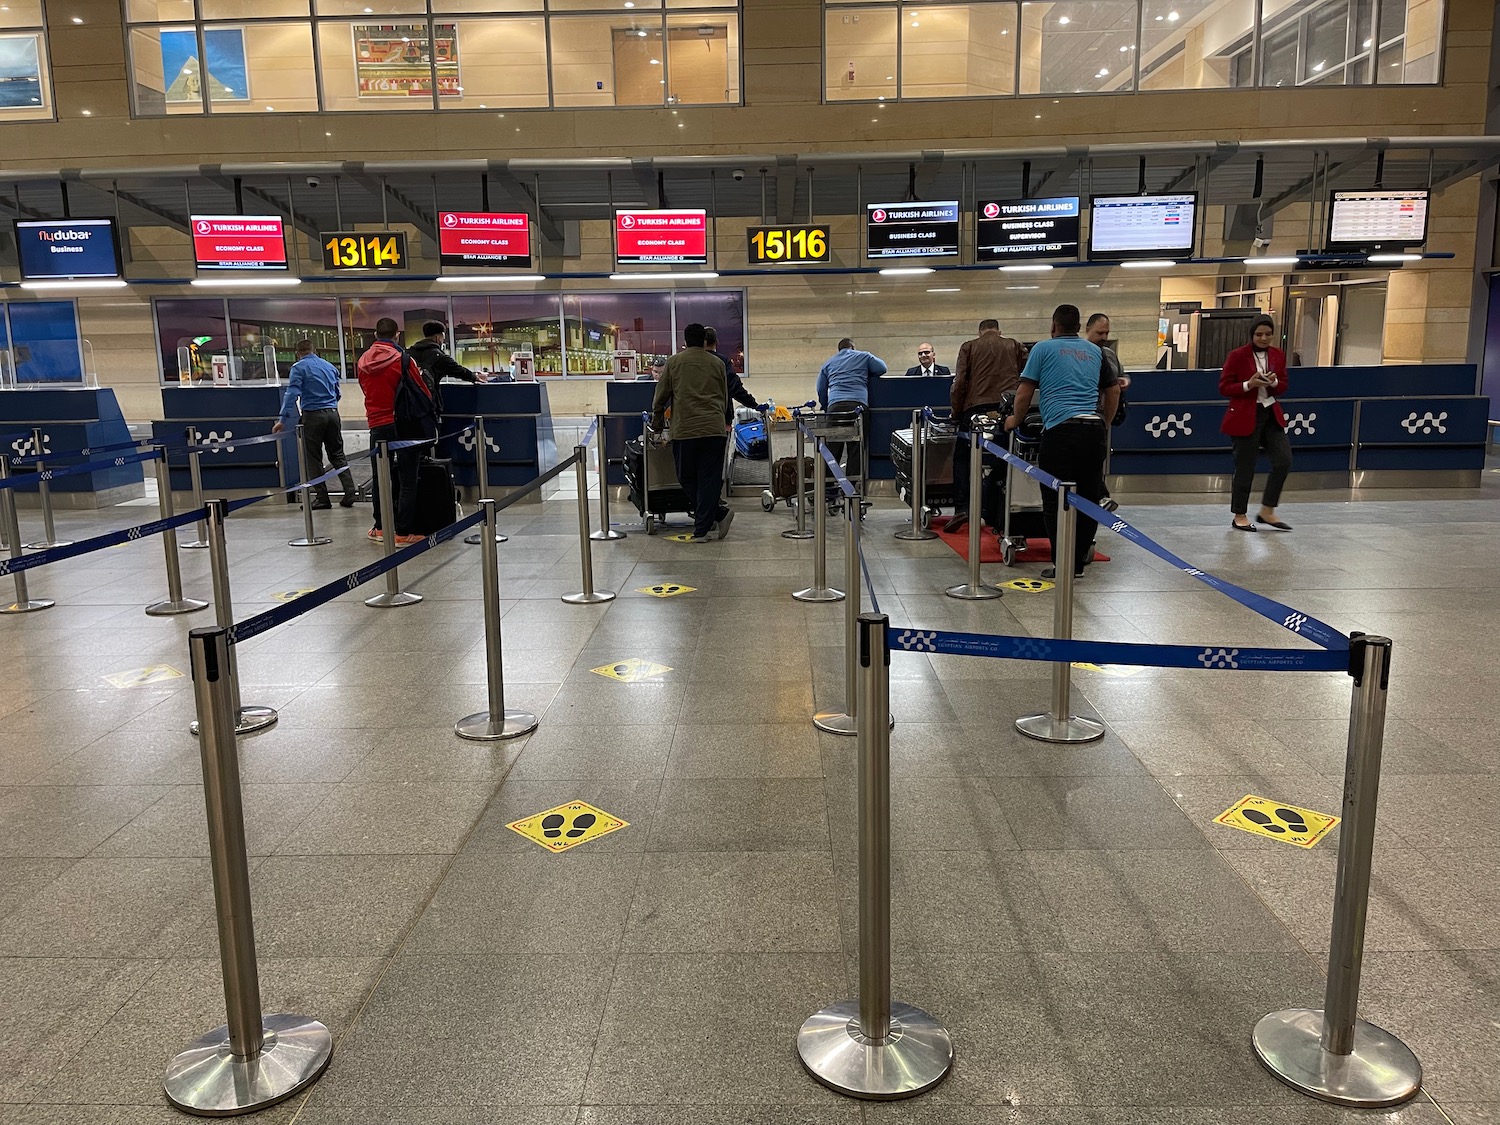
(72, 420)
(634, 399)
(520, 443)
(1349, 425)
(892, 399)
(222, 414)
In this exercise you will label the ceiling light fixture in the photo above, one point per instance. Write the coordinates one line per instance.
(906, 271)
(1038, 267)
(706, 275)
(228, 282)
(1395, 257)
(458, 278)
(1287, 261)
(1149, 264)
(953, 289)
(54, 286)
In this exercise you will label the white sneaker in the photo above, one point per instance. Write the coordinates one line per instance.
(721, 528)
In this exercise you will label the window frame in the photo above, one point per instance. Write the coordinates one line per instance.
(46, 83)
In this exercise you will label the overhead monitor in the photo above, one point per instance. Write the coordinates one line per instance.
(483, 238)
(1377, 220)
(1015, 230)
(239, 242)
(911, 230)
(661, 237)
(67, 249)
(1142, 226)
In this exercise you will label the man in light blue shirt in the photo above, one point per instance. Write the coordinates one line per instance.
(843, 384)
(315, 384)
(1079, 392)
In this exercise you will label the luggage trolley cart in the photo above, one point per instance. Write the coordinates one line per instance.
(845, 426)
(938, 450)
(781, 439)
(1017, 523)
(651, 475)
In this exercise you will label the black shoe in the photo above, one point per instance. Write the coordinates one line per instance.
(347, 502)
(321, 505)
(1109, 504)
(957, 521)
(1242, 526)
(1274, 525)
(1051, 572)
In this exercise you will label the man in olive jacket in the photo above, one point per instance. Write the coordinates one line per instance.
(693, 385)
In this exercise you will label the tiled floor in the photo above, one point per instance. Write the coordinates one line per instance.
(1098, 946)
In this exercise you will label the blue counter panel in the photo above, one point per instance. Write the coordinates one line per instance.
(517, 429)
(70, 421)
(891, 402)
(1424, 421)
(631, 399)
(1391, 381)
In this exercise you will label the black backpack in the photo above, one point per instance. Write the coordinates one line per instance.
(415, 408)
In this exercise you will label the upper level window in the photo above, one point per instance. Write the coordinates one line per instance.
(258, 56)
(889, 49)
(25, 78)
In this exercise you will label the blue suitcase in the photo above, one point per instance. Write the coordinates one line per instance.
(750, 440)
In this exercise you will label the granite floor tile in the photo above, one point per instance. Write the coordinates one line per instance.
(1210, 745)
(435, 754)
(559, 752)
(1048, 813)
(744, 750)
(177, 824)
(406, 818)
(50, 821)
(775, 814)
(20, 879)
(845, 1114)
(318, 1114)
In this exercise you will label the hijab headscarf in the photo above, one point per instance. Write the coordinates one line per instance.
(1256, 323)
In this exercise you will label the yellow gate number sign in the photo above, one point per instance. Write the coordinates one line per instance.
(567, 826)
(666, 590)
(1288, 823)
(632, 671)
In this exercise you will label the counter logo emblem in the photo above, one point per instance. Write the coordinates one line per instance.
(1426, 423)
(1170, 426)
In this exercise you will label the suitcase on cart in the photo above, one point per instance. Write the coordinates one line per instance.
(750, 440)
(662, 500)
(939, 452)
(437, 498)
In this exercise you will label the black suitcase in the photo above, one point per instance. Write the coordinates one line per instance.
(437, 499)
(939, 492)
(662, 500)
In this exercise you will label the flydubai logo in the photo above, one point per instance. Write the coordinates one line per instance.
(63, 235)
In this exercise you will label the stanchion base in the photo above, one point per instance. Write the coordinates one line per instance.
(476, 539)
(169, 608)
(836, 722)
(923, 533)
(252, 719)
(315, 541)
(1381, 1071)
(819, 594)
(30, 605)
(1074, 728)
(47, 546)
(595, 598)
(208, 1080)
(392, 601)
(795, 534)
(912, 1059)
(602, 536)
(483, 728)
(196, 545)
(971, 593)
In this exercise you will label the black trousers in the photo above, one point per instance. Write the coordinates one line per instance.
(321, 429)
(961, 455)
(1074, 451)
(1267, 435)
(847, 453)
(404, 468)
(700, 472)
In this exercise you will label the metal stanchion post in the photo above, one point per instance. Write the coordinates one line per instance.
(605, 532)
(498, 722)
(44, 498)
(195, 475)
(974, 590)
(847, 721)
(394, 595)
(24, 602)
(482, 467)
(253, 718)
(800, 531)
(1331, 1053)
(174, 602)
(279, 446)
(819, 591)
(310, 538)
(588, 595)
(873, 1047)
(254, 1060)
(1060, 724)
(919, 528)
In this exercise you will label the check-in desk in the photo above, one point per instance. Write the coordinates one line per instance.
(632, 399)
(519, 440)
(71, 420)
(892, 399)
(221, 415)
(1348, 426)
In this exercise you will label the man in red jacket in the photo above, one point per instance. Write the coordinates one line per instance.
(379, 371)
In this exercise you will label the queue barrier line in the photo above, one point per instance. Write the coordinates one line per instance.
(1210, 657)
(1303, 624)
(588, 436)
(86, 467)
(90, 450)
(99, 542)
(850, 493)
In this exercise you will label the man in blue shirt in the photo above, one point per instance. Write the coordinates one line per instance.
(315, 383)
(843, 384)
(1079, 394)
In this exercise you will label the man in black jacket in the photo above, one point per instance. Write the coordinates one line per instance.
(737, 390)
(437, 364)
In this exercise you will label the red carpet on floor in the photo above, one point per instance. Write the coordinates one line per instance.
(1037, 550)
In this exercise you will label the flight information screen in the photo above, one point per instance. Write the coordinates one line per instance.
(1359, 219)
(1139, 226)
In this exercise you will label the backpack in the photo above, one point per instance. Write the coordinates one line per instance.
(415, 408)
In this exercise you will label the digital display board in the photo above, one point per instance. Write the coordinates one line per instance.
(67, 249)
(484, 238)
(1021, 229)
(239, 242)
(1376, 219)
(911, 230)
(1142, 226)
(646, 237)
(770, 246)
(364, 250)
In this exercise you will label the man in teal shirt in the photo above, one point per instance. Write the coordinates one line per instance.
(315, 384)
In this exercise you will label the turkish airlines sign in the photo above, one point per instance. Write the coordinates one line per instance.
(484, 238)
(239, 242)
(646, 237)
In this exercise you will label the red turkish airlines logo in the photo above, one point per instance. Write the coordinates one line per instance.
(627, 221)
(991, 210)
(450, 220)
(204, 227)
(878, 215)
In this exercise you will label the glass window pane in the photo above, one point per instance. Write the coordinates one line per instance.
(45, 342)
(487, 331)
(165, 76)
(1194, 44)
(608, 60)
(158, 11)
(595, 324)
(26, 93)
(196, 325)
(1418, 57)
(1327, 40)
(413, 9)
(505, 64)
(21, 13)
(725, 313)
(602, 5)
(260, 67)
(959, 51)
(1074, 48)
(250, 9)
(444, 6)
(375, 66)
(1278, 58)
(860, 59)
(361, 313)
(703, 61)
(281, 322)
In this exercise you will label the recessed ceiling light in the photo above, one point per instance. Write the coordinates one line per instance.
(77, 19)
(1173, 17)
(1149, 264)
(914, 23)
(953, 289)
(656, 62)
(1023, 287)
(1064, 20)
(87, 112)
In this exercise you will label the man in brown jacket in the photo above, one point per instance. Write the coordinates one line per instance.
(988, 366)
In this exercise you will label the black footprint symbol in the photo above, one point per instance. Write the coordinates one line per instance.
(1292, 818)
(582, 824)
(552, 826)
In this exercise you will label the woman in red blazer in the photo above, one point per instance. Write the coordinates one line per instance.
(1254, 377)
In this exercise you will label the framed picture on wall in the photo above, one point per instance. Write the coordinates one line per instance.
(395, 60)
(222, 70)
(20, 71)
